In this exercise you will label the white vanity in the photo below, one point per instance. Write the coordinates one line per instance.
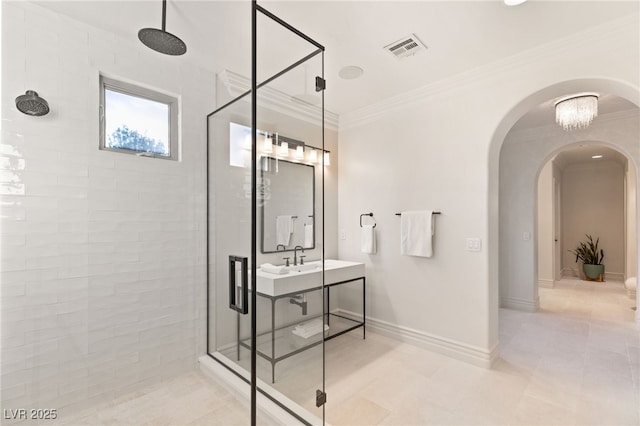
(299, 280)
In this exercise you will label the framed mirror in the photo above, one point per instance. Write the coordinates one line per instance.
(288, 206)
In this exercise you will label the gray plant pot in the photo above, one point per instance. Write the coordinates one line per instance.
(593, 272)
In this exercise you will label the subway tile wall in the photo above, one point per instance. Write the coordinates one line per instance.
(103, 254)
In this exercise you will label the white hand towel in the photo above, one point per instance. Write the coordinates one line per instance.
(310, 328)
(368, 239)
(284, 227)
(308, 235)
(416, 232)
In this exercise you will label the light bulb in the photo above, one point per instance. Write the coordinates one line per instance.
(327, 159)
(267, 145)
(299, 152)
(284, 149)
(313, 156)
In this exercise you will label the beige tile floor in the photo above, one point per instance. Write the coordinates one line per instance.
(575, 362)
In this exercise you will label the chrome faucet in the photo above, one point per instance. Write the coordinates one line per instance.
(295, 255)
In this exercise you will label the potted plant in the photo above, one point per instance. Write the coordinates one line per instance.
(591, 258)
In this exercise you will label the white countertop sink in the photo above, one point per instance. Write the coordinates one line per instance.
(307, 276)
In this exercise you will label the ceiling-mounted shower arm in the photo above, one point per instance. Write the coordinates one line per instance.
(164, 15)
(160, 40)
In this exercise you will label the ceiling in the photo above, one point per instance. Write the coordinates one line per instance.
(583, 153)
(459, 35)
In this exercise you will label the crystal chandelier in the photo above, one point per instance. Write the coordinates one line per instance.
(577, 111)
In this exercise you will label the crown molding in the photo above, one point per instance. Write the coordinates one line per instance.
(579, 41)
(238, 85)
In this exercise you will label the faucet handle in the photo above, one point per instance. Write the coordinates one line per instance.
(287, 259)
(302, 260)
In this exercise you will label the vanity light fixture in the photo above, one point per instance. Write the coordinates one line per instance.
(299, 152)
(327, 159)
(284, 149)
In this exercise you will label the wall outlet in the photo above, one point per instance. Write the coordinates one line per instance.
(343, 234)
(474, 244)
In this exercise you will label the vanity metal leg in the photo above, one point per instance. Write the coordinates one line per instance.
(328, 304)
(364, 308)
(238, 337)
(273, 340)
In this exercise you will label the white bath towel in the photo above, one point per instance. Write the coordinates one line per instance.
(284, 228)
(368, 239)
(273, 269)
(308, 235)
(416, 232)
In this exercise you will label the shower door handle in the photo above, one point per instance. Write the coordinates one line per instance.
(241, 305)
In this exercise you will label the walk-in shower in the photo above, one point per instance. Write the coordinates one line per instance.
(265, 203)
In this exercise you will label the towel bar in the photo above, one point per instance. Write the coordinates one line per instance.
(367, 214)
(400, 214)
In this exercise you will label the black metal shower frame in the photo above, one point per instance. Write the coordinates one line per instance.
(255, 9)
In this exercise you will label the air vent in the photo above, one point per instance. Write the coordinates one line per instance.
(407, 46)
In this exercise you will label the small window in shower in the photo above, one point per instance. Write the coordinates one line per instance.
(137, 120)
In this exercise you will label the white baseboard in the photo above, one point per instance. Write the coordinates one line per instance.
(461, 351)
(613, 276)
(269, 411)
(608, 276)
(546, 283)
(519, 304)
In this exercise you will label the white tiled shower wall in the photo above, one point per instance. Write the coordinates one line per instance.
(103, 254)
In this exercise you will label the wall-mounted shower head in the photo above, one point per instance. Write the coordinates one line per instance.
(161, 40)
(32, 104)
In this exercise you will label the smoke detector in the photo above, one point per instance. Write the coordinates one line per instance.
(406, 46)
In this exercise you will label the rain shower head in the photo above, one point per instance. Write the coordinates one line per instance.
(161, 40)
(32, 104)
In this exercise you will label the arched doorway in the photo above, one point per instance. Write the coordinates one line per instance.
(512, 248)
(582, 190)
(586, 188)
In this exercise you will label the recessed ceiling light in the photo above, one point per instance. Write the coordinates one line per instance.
(596, 156)
(350, 72)
(514, 2)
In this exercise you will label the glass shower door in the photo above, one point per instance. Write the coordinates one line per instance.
(266, 300)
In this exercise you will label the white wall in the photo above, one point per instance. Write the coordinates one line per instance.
(545, 226)
(593, 204)
(438, 147)
(102, 253)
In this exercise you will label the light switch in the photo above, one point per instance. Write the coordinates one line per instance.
(474, 244)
